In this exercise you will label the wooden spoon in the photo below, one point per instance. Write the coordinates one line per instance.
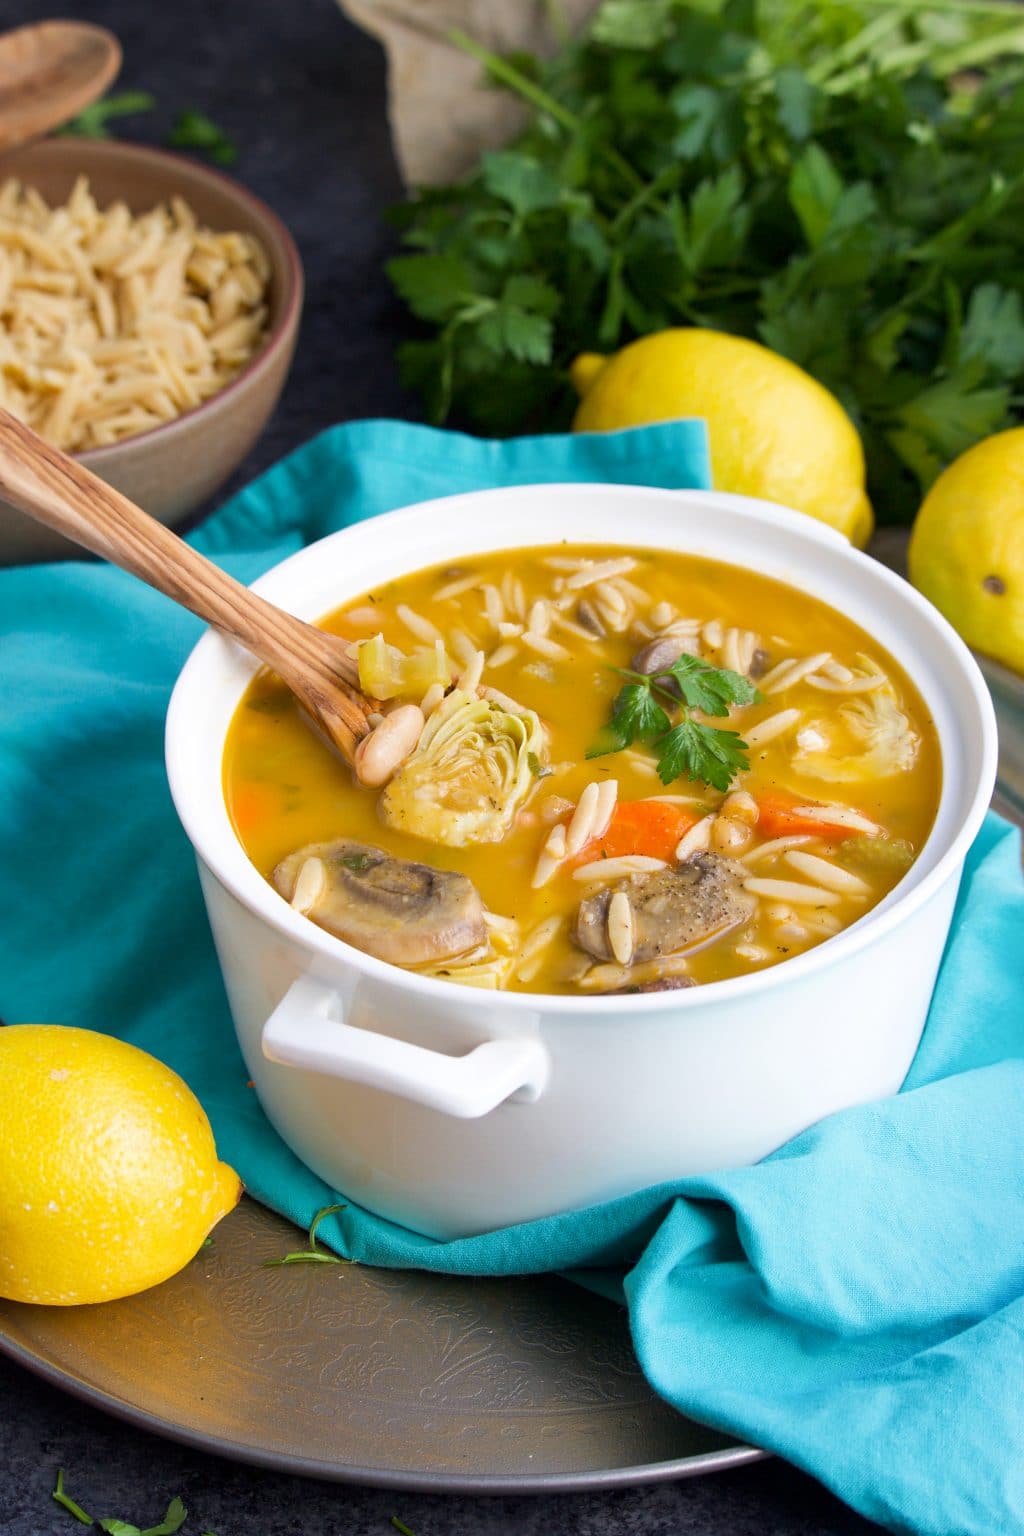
(57, 491)
(48, 72)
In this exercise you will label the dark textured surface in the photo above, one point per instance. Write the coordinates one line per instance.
(302, 93)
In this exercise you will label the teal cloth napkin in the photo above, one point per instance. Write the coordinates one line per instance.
(855, 1302)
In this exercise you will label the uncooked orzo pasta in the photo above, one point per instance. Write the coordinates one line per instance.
(112, 323)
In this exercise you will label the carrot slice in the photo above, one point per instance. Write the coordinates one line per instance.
(252, 804)
(649, 827)
(777, 817)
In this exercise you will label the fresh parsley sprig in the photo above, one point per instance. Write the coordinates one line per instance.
(689, 748)
(841, 182)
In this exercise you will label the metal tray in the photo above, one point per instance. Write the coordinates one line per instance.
(398, 1379)
(392, 1378)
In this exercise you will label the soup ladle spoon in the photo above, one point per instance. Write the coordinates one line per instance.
(52, 488)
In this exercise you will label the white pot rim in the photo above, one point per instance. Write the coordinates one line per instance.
(191, 771)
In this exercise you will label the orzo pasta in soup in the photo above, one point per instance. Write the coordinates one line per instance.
(594, 770)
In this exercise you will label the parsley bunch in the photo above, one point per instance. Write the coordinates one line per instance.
(842, 182)
(699, 751)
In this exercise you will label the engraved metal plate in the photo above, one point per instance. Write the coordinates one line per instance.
(389, 1377)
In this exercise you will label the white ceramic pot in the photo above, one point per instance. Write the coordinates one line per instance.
(455, 1111)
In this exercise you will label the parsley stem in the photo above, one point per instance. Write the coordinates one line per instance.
(1006, 8)
(516, 81)
(327, 1210)
(665, 181)
(558, 21)
(826, 69)
(507, 73)
(68, 1503)
(903, 61)
(980, 51)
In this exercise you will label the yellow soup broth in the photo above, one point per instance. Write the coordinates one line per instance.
(841, 790)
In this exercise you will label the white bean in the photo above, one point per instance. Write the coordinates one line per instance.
(380, 753)
(729, 836)
(697, 839)
(741, 806)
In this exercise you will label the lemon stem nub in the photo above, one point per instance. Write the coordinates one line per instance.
(584, 370)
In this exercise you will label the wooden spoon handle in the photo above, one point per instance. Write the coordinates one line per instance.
(55, 490)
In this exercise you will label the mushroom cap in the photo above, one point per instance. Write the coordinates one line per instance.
(673, 909)
(407, 913)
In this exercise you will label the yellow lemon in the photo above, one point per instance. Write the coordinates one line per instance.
(967, 546)
(774, 432)
(109, 1178)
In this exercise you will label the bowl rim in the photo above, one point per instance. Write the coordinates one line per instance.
(289, 273)
(244, 881)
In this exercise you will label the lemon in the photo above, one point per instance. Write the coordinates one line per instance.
(109, 1178)
(774, 432)
(967, 546)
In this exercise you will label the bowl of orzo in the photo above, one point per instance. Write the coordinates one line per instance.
(148, 312)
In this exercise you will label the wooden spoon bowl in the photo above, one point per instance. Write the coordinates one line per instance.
(48, 72)
(57, 491)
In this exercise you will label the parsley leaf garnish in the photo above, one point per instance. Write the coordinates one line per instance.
(636, 715)
(690, 748)
(710, 689)
(357, 862)
(701, 752)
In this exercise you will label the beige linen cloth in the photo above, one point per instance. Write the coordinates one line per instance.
(441, 113)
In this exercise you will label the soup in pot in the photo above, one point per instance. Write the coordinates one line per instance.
(593, 770)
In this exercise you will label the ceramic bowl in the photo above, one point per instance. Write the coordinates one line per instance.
(453, 1111)
(173, 468)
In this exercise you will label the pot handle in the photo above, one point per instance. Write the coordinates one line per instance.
(305, 1031)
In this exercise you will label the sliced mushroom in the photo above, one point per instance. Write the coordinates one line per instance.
(399, 911)
(682, 907)
(588, 616)
(663, 984)
(658, 655)
(759, 663)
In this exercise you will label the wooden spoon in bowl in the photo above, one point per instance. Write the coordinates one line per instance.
(55, 490)
(49, 71)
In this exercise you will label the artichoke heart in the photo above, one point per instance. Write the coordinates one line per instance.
(869, 738)
(385, 672)
(473, 768)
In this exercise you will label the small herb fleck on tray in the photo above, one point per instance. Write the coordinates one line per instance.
(91, 122)
(194, 130)
(312, 1254)
(174, 1516)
